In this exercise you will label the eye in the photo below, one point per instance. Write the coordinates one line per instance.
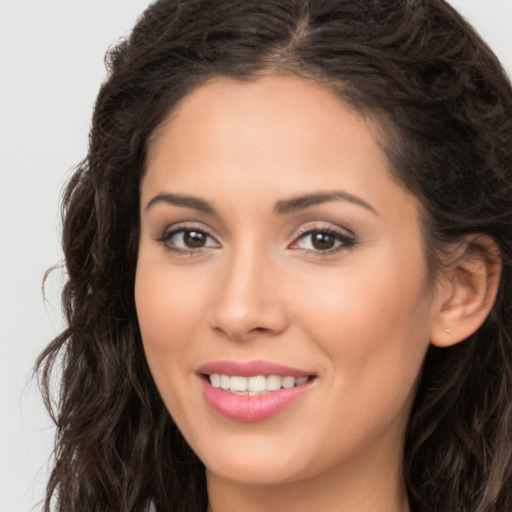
(323, 240)
(187, 240)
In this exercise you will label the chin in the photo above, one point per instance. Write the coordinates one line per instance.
(260, 461)
(256, 473)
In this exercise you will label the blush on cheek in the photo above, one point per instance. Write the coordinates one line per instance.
(151, 309)
(165, 310)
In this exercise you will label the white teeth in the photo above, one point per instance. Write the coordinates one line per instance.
(273, 382)
(238, 384)
(257, 385)
(288, 382)
(225, 381)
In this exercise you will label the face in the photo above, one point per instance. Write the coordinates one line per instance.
(281, 289)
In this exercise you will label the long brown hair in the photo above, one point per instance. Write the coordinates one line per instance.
(445, 108)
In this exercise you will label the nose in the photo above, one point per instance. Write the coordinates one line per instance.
(248, 302)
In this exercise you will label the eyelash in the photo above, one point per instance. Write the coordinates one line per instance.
(344, 241)
(166, 238)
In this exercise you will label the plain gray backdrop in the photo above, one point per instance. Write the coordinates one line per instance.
(51, 66)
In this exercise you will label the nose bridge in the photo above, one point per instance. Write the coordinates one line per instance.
(248, 301)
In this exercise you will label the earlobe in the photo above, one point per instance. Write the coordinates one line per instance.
(468, 291)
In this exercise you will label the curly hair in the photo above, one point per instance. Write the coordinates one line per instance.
(445, 108)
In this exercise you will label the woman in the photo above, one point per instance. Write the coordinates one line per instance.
(289, 256)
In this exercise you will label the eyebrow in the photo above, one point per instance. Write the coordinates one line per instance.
(192, 202)
(282, 207)
(307, 200)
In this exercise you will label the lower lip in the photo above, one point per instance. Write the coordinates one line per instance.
(252, 408)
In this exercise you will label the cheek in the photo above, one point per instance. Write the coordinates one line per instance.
(374, 326)
(357, 304)
(168, 308)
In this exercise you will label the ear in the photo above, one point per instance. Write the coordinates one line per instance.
(467, 291)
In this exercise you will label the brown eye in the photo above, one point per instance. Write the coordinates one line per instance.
(194, 239)
(187, 240)
(322, 241)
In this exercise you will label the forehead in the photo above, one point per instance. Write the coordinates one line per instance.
(233, 142)
(262, 122)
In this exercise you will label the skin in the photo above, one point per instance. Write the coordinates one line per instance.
(359, 318)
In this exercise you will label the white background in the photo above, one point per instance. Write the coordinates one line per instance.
(51, 66)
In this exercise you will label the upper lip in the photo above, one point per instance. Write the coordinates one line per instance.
(251, 368)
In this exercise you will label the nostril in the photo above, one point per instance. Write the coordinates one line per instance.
(259, 329)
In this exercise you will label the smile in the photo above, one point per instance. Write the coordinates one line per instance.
(257, 385)
(252, 391)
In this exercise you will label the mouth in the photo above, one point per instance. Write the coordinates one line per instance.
(255, 385)
(253, 391)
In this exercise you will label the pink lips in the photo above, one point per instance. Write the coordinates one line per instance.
(251, 408)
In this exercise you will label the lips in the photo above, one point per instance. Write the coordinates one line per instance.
(252, 391)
